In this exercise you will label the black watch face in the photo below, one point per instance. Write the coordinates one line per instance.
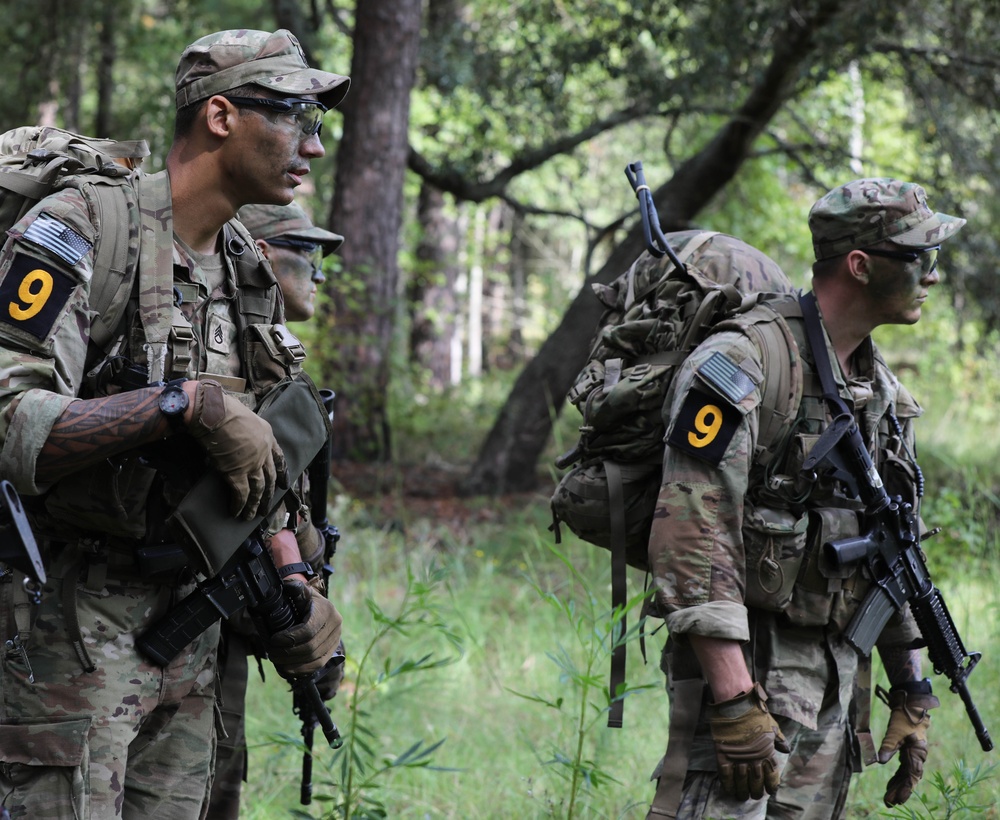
(173, 401)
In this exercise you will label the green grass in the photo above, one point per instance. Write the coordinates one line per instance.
(486, 704)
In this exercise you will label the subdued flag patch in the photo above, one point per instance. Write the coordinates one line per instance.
(53, 235)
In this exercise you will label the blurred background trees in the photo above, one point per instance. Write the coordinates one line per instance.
(476, 171)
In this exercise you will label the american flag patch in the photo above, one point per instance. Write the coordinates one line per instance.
(726, 377)
(57, 237)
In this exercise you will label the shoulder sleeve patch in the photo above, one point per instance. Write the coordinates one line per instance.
(53, 235)
(32, 294)
(704, 426)
(727, 377)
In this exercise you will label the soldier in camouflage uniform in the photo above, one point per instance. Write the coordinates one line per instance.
(295, 248)
(768, 708)
(88, 726)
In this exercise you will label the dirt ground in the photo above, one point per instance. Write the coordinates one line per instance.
(425, 491)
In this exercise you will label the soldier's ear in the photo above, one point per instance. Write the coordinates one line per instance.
(859, 265)
(265, 249)
(220, 116)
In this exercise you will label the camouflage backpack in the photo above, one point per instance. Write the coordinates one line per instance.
(658, 313)
(35, 161)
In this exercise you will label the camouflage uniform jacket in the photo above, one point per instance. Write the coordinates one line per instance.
(734, 544)
(46, 278)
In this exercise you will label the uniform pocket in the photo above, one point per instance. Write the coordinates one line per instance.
(774, 543)
(44, 767)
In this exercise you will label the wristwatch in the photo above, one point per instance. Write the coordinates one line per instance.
(173, 401)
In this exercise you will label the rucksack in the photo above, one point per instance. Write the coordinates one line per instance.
(36, 161)
(656, 314)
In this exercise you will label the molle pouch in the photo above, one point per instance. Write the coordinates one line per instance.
(201, 521)
(774, 543)
(820, 585)
(273, 353)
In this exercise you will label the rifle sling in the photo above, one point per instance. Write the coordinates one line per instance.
(824, 369)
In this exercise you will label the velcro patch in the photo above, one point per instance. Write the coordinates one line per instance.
(56, 236)
(704, 427)
(32, 295)
(727, 377)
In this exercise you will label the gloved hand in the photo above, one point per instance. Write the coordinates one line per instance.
(906, 733)
(240, 445)
(329, 680)
(305, 647)
(746, 737)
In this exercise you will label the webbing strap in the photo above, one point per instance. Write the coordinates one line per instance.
(114, 270)
(696, 241)
(685, 706)
(69, 606)
(619, 590)
(156, 280)
(862, 721)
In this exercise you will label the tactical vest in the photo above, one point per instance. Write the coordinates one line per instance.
(789, 515)
(143, 326)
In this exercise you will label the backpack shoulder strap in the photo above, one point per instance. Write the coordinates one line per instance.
(781, 363)
(115, 255)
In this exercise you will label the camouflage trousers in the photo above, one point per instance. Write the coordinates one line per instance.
(814, 780)
(128, 739)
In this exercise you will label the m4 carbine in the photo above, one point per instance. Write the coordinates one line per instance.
(894, 562)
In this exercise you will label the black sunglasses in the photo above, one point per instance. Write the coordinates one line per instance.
(296, 244)
(307, 114)
(927, 256)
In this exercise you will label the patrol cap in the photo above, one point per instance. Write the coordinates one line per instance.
(287, 221)
(228, 59)
(868, 211)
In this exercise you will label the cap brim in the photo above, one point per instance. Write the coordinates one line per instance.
(329, 240)
(930, 232)
(329, 89)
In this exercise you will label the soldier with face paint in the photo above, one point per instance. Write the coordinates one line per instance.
(295, 248)
(769, 703)
(102, 445)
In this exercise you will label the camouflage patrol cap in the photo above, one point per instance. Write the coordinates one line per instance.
(868, 211)
(287, 221)
(228, 59)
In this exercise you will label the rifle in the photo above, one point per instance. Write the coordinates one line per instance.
(248, 580)
(895, 562)
(319, 479)
(244, 576)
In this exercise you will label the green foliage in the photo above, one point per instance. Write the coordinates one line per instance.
(356, 770)
(946, 797)
(597, 632)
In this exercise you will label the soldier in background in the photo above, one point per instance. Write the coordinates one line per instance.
(769, 703)
(295, 247)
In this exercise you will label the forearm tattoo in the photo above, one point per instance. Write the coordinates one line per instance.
(92, 430)
(901, 664)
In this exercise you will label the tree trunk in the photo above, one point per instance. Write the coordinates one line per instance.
(367, 209)
(508, 458)
(431, 290)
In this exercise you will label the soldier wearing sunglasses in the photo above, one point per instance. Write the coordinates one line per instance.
(295, 247)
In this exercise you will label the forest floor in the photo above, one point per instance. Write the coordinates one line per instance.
(426, 491)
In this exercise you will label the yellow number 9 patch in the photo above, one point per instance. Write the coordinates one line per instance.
(704, 427)
(707, 423)
(32, 295)
(33, 292)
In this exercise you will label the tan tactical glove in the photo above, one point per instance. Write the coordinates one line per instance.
(906, 733)
(328, 681)
(240, 445)
(304, 648)
(745, 738)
